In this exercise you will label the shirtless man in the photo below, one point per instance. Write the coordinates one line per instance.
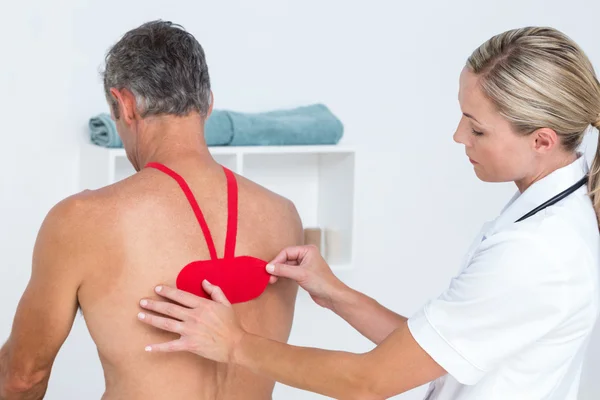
(103, 250)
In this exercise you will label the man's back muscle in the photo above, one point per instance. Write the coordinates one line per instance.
(142, 233)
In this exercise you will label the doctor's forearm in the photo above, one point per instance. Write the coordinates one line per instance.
(366, 315)
(335, 374)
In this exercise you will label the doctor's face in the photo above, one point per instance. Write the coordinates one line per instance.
(497, 152)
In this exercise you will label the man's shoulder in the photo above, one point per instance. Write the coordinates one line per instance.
(82, 213)
(278, 214)
(71, 211)
(66, 238)
(274, 203)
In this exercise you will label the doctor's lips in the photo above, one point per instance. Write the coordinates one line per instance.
(472, 161)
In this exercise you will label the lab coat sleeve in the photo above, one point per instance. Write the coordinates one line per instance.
(509, 295)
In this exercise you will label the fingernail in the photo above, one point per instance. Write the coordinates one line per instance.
(207, 283)
(141, 315)
(158, 288)
(148, 348)
(144, 303)
(270, 268)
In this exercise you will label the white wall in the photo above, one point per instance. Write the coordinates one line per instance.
(388, 69)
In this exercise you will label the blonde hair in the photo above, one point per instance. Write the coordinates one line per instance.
(540, 78)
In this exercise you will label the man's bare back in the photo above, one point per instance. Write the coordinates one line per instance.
(142, 232)
(105, 250)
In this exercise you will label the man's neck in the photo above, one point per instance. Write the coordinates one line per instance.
(168, 139)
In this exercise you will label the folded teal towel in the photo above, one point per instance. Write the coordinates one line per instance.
(103, 131)
(218, 130)
(308, 125)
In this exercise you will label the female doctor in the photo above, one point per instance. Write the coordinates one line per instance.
(514, 324)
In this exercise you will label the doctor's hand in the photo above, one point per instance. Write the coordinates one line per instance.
(306, 266)
(207, 328)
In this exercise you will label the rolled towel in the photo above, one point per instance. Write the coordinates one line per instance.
(103, 131)
(308, 125)
(218, 130)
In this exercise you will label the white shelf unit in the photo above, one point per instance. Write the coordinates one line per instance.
(318, 179)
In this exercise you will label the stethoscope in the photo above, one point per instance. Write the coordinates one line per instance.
(556, 198)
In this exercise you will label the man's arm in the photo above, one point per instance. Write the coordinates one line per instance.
(47, 308)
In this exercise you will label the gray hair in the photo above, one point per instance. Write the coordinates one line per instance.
(163, 66)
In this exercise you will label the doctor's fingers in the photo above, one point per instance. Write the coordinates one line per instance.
(216, 293)
(165, 324)
(164, 308)
(179, 296)
(294, 272)
(294, 255)
(169, 347)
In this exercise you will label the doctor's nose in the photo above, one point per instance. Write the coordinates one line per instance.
(461, 134)
(458, 136)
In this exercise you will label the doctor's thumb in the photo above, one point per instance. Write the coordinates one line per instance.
(294, 273)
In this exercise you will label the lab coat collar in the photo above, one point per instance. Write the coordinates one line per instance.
(540, 192)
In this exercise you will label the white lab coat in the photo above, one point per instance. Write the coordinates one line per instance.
(515, 323)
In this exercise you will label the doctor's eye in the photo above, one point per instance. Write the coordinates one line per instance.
(476, 133)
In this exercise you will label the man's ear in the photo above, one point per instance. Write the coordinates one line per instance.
(210, 106)
(126, 105)
(544, 139)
